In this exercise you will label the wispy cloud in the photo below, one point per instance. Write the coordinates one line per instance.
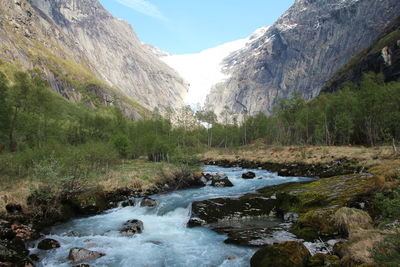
(144, 7)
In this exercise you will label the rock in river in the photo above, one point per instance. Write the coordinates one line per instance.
(77, 255)
(221, 181)
(48, 244)
(148, 202)
(132, 227)
(248, 175)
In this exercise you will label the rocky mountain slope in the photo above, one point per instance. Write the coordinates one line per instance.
(383, 56)
(84, 51)
(300, 52)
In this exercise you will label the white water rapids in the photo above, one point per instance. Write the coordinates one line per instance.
(166, 241)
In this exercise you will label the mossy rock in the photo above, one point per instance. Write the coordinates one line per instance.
(306, 233)
(320, 260)
(287, 254)
(315, 223)
(89, 202)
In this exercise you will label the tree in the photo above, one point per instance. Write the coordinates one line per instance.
(5, 115)
(209, 118)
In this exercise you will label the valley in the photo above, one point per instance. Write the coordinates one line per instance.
(276, 149)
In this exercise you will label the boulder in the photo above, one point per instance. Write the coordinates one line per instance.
(48, 244)
(77, 255)
(91, 201)
(13, 208)
(13, 250)
(221, 181)
(324, 260)
(148, 202)
(128, 203)
(225, 209)
(193, 222)
(248, 175)
(132, 227)
(287, 254)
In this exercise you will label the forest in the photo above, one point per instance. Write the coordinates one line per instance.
(35, 120)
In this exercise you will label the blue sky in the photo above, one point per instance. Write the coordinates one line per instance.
(189, 26)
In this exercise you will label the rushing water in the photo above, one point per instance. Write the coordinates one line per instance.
(166, 241)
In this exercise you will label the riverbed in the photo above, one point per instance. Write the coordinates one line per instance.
(166, 241)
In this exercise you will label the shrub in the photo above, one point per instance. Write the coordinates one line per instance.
(389, 206)
(121, 144)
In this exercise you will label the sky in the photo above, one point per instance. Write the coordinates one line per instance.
(190, 26)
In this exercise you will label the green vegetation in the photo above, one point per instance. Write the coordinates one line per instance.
(363, 114)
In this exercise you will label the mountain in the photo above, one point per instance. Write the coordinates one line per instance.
(83, 50)
(383, 56)
(205, 69)
(300, 52)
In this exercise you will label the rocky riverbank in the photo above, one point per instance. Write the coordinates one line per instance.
(292, 212)
(44, 209)
(321, 170)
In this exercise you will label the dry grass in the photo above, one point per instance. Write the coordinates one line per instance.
(350, 219)
(360, 245)
(137, 175)
(132, 174)
(310, 154)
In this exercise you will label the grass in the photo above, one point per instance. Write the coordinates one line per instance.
(350, 219)
(131, 174)
(137, 174)
(367, 157)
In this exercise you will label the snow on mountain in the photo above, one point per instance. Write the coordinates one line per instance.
(205, 69)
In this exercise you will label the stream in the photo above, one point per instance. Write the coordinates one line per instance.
(166, 241)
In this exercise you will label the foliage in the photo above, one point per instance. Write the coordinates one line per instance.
(387, 253)
(389, 206)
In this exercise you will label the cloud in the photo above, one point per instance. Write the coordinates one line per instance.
(144, 7)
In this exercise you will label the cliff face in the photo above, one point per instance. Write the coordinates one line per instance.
(79, 40)
(383, 56)
(300, 52)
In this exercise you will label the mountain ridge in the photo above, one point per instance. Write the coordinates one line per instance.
(77, 43)
(280, 63)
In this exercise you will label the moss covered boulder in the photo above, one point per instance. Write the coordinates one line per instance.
(287, 254)
(316, 202)
(90, 201)
(321, 260)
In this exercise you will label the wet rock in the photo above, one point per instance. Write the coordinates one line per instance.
(248, 175)
(48, 244)
(148, 202)
(13, 250)
(77, 255)
(73, 233)
(221, 181)
(132, 228)
(231, 257)
(287, 254)
(291, 217)
(219, 209)
(13, 208)
(34, 257)
(208, 176)
(193, 222)
(128, 203)
(82, 265)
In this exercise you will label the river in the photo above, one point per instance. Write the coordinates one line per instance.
(166, 241)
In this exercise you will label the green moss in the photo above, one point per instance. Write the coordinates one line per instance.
(287, 254)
